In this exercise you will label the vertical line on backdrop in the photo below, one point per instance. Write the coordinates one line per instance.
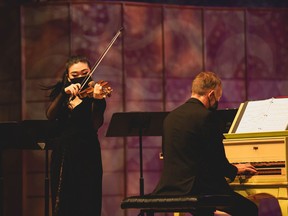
(203, 40)
(245, 54)
(23, 103)
(123, 80)
(123, 60)
(163, 59)
(70, 27)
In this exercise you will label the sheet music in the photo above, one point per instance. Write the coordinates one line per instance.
(264, 116)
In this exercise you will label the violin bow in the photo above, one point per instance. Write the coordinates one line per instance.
(101, 57)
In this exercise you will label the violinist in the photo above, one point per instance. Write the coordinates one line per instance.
(76, 164)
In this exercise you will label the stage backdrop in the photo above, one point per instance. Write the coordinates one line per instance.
(150, 67)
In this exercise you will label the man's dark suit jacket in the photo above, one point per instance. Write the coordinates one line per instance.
(194, 155)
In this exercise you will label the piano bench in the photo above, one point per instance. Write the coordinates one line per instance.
(195, 205)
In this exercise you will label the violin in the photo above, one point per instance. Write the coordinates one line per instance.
(103, 91)
(104, 87)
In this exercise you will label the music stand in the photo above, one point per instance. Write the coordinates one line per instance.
(28, 135)
(41, 133)
(137, 124)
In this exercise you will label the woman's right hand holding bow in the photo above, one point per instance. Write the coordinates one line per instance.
(72, 89)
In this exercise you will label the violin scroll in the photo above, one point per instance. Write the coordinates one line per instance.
(106, 89)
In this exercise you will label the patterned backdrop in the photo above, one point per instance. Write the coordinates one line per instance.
(150, 67)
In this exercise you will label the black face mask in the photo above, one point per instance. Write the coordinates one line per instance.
(81, 80)
(214, 107)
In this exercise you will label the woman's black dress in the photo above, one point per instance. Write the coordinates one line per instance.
(76, 164)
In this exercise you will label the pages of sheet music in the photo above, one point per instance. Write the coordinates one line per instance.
(264, 116)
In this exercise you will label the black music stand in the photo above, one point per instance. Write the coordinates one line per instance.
(137, 124)
(28, 135)
(41, 133)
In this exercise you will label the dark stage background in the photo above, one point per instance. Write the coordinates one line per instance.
(150, 67)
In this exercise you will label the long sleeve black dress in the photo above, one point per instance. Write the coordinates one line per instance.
(76, 164)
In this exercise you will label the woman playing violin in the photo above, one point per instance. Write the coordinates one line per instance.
(76, 165)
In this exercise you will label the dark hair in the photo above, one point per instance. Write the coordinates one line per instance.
(60, 85)
(75, 59)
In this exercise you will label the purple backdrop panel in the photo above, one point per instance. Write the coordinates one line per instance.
(225, 53)
(45, 39)
(267, 44)
(132, 180)
(143, 41)
(10, 67)
(144, 88)
(45, 48)
(113, 183)
(109, 143)
(178, 89)
(151, 161)
(224, 41)
(115, 158)
(144, 106)
(173, 104)
(111, 107)
(147, 142)
(92, 28)
(233, 92)
(151, 180)
(183, 41)
(152, 142)
(111, 205)
(264, 89)
(8, 96)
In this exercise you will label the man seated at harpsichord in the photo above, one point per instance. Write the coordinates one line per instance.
(194, 155)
